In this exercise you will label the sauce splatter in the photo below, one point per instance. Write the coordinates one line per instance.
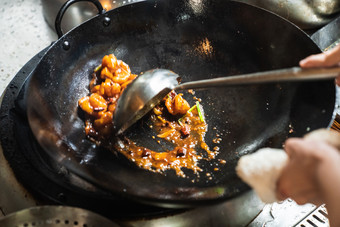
(173, 120)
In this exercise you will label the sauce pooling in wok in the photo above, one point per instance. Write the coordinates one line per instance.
(173, 120)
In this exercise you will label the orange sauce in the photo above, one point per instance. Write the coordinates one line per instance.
(173, 120)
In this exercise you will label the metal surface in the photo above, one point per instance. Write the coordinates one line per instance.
(45, 179)
(55, 216)
(239, 211)
(77, 13)
(153, 85)
(26, 16)
(307, 14)
(184, 40)
(328, 36)
(150, 88)
(14, 196)
(68, 4)
(319, 217)
(285, 213)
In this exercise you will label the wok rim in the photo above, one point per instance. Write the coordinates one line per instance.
(183, 202)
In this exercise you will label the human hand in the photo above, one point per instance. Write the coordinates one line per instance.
(326, 59)
(300, 177)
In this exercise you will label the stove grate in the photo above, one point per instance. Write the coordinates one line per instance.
(317, 218)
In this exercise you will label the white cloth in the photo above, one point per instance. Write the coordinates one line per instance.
(261, 171)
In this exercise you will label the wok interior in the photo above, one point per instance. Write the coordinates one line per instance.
(218, 38)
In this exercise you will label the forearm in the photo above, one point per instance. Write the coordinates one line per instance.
(329, 181)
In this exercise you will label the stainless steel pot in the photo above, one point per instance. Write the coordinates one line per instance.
(78, 12)
(44, 216)
(306, 14)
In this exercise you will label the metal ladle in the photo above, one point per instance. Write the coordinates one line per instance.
(148, 89)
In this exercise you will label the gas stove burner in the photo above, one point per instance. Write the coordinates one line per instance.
(47, 180)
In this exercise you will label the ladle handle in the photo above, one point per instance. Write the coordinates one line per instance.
(281, 75)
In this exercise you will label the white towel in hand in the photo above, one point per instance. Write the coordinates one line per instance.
(261, 171)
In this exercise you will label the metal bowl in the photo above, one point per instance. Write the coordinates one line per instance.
(305, 14)
(43, 216)
(77, 13)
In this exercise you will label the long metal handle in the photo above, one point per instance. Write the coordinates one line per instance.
(281, 75)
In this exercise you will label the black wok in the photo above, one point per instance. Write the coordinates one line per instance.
(197, 40)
